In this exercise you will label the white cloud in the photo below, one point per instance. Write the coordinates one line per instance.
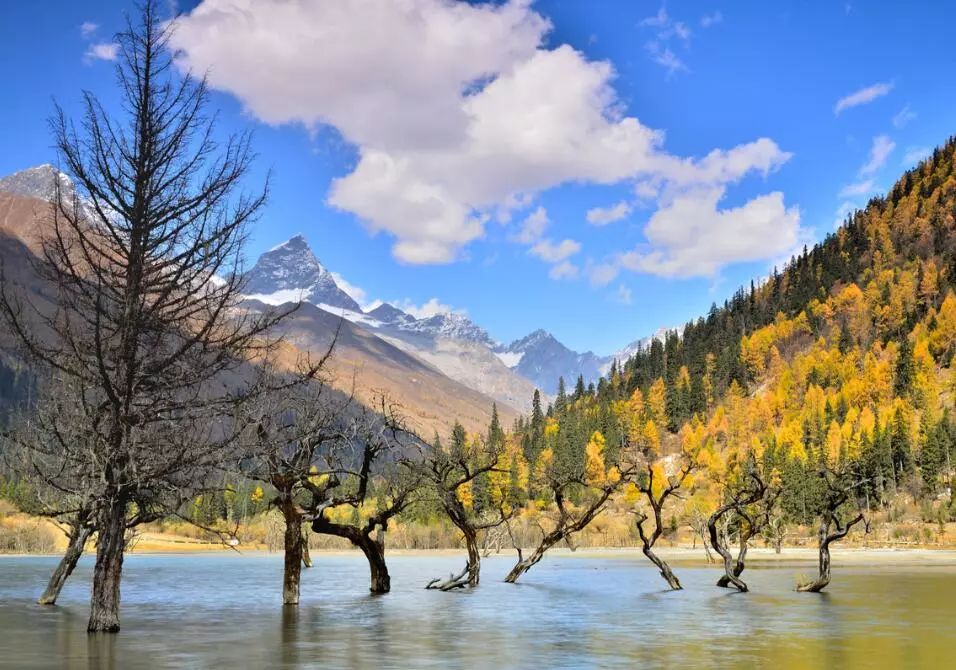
(601, 274)
(533, 227)
(551, 252)
(622, 295)
(862, 96)
(725, 166)
(915, 155)
(859, 188)
(904, 116)
(87, 28)
(357, 293)
(429, 308)
(666, 58)
(647, 190)
(880, 150)
(659, 20)
(458, 112)
(709, 20)
(845, 209)
(102, 51)
(692, 236)
(563, 270)
(601, 216)
(659, 48)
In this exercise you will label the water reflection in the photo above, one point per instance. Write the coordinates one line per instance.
(571, 612)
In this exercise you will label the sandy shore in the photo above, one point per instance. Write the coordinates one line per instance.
(860, 556)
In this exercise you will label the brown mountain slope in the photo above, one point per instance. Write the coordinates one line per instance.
(430, 400)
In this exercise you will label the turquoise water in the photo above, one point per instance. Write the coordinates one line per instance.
(224, 611)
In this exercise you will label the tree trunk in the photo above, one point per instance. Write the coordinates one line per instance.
(648, 542)
(374, 550)
(738, 565)
(732, 569)
(826, 538)
(470, 575)
(78, 537)
(293, 556)
(306, 555)
(823, 579)
(474, 558)
(665, 569)
(703, 541)
(110, 547)
(522, 566)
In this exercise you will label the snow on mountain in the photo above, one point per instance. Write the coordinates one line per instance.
(290, 272)
(449, 341)
(542, 359)
(37, 182)
(510, 358)
(643, 344)
(468, 362)
(386, 313)
(451, 326)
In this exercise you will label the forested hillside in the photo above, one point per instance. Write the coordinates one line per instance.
(844, 356)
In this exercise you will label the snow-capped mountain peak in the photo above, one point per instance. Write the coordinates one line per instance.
(453, 326)
(290, 272)
(391, 315)
(535, 339)
(540, 357)
(37, 182)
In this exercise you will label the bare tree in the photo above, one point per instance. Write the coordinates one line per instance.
(290, 428)
(834, 521)
(698, 522)
(591, 483)
(370, 475)
(657, 487)
(775, 531)
(79, 530)
(749, 498)
(145, 260)
(452, 474)
(38, 448)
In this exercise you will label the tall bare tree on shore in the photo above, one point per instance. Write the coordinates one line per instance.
(145, 261)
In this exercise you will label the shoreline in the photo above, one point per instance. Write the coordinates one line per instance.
(850, 556)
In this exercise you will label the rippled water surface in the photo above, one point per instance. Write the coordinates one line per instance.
(224, 611)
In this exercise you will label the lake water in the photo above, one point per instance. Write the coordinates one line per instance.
(224, 611)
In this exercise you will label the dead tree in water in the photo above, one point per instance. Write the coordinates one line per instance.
(657, 487)
(80, 527)
(143, 261)
(750, 501)
(454, 475)
(592, 483)
(368, 475)
(833, 524)
(289, 428)
(37, 449)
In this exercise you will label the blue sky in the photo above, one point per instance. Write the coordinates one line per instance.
(545, 166)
